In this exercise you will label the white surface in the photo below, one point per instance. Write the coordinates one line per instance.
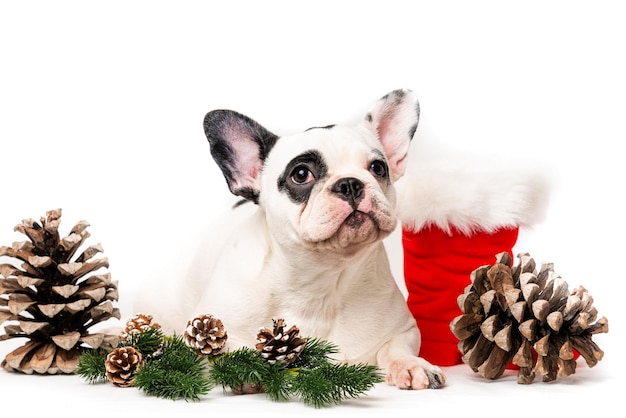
(101, 110)
(585, 393)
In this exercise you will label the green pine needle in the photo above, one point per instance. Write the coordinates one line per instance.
(242, 366)
(333, 383)
(313, 377)
(179, 373)
(91, 366)
(278, 383)
(316, 352)
(148, 342)
(174, 371)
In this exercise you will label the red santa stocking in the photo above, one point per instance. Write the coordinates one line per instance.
(457, 217)
(437, 267)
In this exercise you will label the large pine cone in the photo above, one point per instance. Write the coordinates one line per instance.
(121, 365)
(278, 345)
(528, 318)
(54, 296)
(205, 335)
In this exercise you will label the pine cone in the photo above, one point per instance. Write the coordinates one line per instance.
(122, 364)
(54, 297)
(528, 318)
(205, 335)
(278, 345)
(139, 323)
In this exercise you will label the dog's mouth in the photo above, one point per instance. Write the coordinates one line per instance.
(358, 229)
(356, 219)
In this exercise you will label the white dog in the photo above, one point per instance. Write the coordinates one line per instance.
(306, 243)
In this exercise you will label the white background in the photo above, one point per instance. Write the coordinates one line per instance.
(101, 109)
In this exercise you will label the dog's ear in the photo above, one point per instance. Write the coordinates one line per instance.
(239, 146)
(393, 119)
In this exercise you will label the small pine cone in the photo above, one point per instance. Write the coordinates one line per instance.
(122, 364)
(137, 324)
(278, 345)
(205, 335)
(528, 318)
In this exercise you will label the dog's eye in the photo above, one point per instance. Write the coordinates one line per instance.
(378, 168)
(302, 175)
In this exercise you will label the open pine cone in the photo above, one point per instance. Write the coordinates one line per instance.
(138, 323)
(121, 365)
(528, 318)
(205, 335)
(54, 296)
(278, 345)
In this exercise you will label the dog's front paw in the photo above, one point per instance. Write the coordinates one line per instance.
(415, 373)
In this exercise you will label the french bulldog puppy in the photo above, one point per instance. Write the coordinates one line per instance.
(305, 241)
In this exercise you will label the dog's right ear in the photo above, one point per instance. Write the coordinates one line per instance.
(393, 119)
(239, 146)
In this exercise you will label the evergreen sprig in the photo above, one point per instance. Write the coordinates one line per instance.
(330, 384)
(313, 377)
(172, 370)
(91, 366)
(149, 341)
(178, 373)
(316, 353)
(242, 366)
(278, 384)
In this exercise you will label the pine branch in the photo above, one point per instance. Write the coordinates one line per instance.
(331, 383)
(148, 342)
(242, 366)
(178, 373)
(278, 383)
(316, 352)
(317, 381)
(172, 370)
(91, 366)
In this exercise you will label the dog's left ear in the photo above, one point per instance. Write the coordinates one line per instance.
(393, 119)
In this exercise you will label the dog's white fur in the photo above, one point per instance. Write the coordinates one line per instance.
(316, 262)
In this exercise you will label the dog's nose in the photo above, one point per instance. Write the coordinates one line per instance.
(349, 189)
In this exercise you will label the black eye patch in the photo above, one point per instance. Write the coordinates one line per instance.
(301, 175)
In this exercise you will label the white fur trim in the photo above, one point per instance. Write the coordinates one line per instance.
(471, 193)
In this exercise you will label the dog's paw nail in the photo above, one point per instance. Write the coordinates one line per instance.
(436, 379)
